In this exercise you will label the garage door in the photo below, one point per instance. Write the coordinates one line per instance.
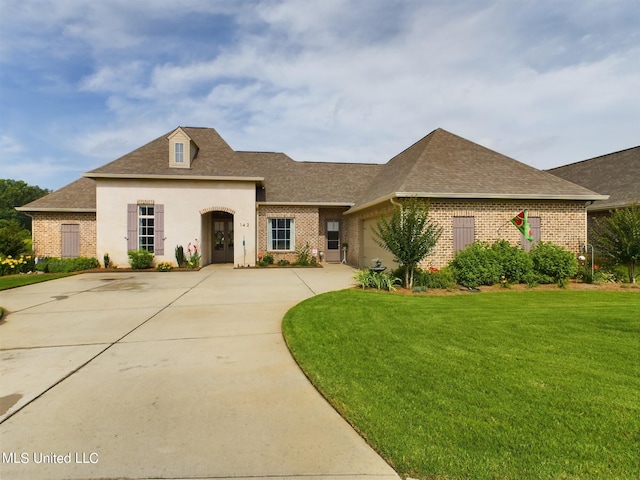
(371, 250)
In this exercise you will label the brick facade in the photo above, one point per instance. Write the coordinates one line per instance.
(306, 227)
(561, 222)
(47, 233)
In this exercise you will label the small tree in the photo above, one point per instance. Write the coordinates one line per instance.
(13, 238)
(408, 234)
(618, 237)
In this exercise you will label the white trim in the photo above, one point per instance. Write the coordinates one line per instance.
(306, 204)
(143, 176)
(503, 196)
(476, 196)
(54, 209)
(292, 235)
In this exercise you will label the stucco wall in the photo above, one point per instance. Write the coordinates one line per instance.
(561, 222)
(185, 201)
(47, 233)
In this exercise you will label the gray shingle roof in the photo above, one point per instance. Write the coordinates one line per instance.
(439, 165)
(615, 174)
(286, 180)
(78, 196)
(445, 165)
(214, 158)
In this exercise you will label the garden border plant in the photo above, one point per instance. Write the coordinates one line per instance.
(482, 263)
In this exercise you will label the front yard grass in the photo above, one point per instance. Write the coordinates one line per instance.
(13, 281)
(505, 385)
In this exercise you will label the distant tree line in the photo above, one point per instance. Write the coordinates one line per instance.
(15, 227)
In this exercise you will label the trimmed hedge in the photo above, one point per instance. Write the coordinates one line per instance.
(66, 265)
(484, 264)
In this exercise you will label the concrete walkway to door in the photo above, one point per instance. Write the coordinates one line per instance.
(181, 375)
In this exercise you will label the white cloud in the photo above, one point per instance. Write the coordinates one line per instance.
(10, 146)
(349, 80)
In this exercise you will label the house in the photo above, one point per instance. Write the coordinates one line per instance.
(190, 186)
(615, 174)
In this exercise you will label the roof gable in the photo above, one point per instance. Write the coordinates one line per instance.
(214, 157)
(445, 165)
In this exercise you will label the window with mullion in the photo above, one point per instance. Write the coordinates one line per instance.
(281, 234)
(146, 227)
(179, 153)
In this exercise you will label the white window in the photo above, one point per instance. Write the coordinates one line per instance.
(179, 153)
(281, 233)
(146, 227)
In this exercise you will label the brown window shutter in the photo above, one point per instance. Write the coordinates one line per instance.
(132, 226)
(159, 229)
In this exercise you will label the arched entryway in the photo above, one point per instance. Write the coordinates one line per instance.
(222, 243)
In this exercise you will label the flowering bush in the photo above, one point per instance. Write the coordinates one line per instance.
(10, 265)
(164, 267)
(193, 255)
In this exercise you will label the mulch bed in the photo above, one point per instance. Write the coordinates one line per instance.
(619, 287)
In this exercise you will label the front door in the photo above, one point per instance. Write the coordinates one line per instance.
(333, 241)
(222, 238)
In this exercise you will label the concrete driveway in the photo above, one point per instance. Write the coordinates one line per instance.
(181, 375)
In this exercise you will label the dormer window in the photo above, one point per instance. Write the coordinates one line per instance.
(179, 153)
(182, 150)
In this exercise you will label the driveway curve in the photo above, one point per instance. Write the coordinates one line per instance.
(181, 375)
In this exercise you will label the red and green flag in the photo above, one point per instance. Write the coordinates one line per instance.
(521, 221)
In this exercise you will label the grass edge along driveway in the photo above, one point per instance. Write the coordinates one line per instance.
(508, 385)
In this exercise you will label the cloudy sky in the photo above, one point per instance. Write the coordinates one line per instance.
(547, 82)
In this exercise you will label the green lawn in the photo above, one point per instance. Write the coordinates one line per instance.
(505, 385)
(13, 281)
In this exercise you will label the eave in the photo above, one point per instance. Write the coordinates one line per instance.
(306, 204)
(478, 196)
(56, 209)
(142, 176)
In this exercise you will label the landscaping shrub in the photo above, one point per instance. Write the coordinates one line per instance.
(140, 259)
(283, 262)
(378, 280)
(476, 265)
(42, 265)
(267, 258)
(303, 257)
(180, 259)
(13, 239)
(164, 267)
(193, 255)
(429, 278)
(65, 265)
(10, 265)
(434, 278)
(550, 260)
(513, 261)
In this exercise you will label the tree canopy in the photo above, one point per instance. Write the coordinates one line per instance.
(618, 237)
(15, 193)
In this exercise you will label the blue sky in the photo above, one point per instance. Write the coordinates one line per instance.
(547, 82)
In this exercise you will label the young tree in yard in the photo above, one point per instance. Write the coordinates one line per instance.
(12, 238)
(618, 237)
(408, 234)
